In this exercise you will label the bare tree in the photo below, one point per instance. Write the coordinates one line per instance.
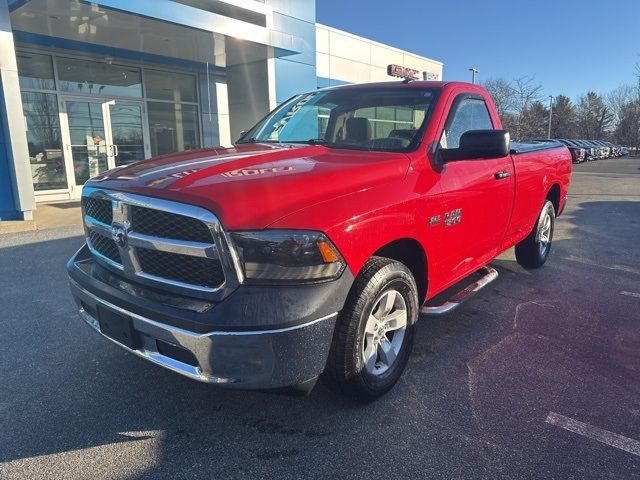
(619, 98)
(503, 95)
(526, 92)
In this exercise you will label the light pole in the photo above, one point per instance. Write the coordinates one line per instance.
(550, 114)
(473, 71)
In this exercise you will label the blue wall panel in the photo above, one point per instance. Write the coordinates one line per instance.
(293, 78)
(305, 36)
(295, 73)
(7, 206)
(302, 9)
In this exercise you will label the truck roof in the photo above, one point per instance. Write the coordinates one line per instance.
(402, 84)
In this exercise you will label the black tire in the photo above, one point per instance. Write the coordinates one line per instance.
(346, 370)
(532, 252)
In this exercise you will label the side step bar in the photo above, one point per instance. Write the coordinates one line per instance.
(488, 275)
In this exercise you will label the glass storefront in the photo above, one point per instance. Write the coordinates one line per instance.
(42, 123)
(173, 127)
(175, 87)
(85, 116)
(36, 71)
(98, 78)
(173, 114)
(127, 130)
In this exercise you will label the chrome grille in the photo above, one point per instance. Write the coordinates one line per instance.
(160, 242)
(98, 208)
(104, 246)
(181, 268)
(169, 225)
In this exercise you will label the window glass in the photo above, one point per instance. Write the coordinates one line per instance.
(390, 121)
(176, 87)
(35, 71)
(173, 127)
(470, 114)
(383, 119)
(43, 139)
(98, 78)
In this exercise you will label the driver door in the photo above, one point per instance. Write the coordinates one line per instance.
(477, 193)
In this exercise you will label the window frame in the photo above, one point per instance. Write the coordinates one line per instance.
(454, 109)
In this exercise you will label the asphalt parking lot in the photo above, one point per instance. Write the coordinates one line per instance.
(536, 377)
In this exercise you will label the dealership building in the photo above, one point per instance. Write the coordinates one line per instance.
(88, 86)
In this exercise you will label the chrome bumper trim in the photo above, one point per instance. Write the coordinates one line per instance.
(200, 345)
(172, 364)
(182, 331)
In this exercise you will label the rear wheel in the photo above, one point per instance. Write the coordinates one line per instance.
(532, 252)
(375, 331)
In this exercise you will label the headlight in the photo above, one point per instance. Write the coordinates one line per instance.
(272, 256)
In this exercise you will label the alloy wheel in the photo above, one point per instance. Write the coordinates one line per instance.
(384, 332)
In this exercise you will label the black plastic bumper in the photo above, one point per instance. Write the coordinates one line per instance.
(257, 337)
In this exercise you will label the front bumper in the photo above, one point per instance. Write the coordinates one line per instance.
(283, 351)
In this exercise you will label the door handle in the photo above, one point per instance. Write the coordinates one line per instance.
(501, 174)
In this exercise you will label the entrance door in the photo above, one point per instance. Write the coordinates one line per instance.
(128, 132)
(101, 135)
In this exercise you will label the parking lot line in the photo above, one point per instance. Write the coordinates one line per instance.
(630, 294)
(594, 433)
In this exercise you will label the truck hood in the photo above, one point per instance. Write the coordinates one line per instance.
(251, 186)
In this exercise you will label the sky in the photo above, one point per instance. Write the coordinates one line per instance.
(570, 46)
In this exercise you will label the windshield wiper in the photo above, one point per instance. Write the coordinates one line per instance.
(320, 141)
(310, 141)
(256, 140)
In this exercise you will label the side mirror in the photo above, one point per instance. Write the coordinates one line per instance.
(242, 134)
(478, 144)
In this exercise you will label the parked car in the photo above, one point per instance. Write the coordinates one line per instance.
(578, 154)
(591, 153)
(615, 149)
(312, 246)
(597, 149)
(605, 149)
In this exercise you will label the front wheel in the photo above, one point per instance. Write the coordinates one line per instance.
(374, 334)
(532, 252)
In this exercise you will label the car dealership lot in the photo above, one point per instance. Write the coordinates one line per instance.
(536, 377)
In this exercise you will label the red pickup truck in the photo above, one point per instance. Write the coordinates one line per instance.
(311, 247)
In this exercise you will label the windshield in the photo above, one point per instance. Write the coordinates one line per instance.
(379, 119)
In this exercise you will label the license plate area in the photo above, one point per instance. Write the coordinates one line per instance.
(118, 327)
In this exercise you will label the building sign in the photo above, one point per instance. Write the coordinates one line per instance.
(430, 76)
(402, 72)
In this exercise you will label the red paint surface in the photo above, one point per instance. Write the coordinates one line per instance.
(364, 200)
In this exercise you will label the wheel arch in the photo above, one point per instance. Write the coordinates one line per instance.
(411, 253)
(553, 195)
